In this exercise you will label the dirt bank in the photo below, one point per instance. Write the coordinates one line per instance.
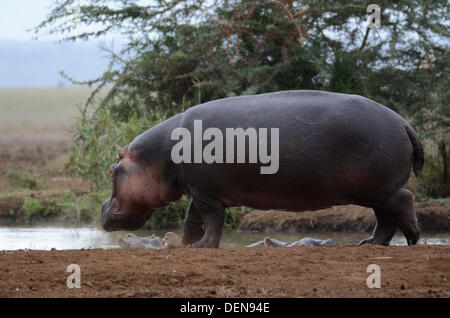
(433, 216)
(417, 271)
(42, 207)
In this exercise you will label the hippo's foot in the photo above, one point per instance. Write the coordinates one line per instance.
(192, 232)
(207, 243)
(366, 241)
(211, 212)
(384, 229)
(401, 206)
(398, 211)
(193, 228)
(377, 241)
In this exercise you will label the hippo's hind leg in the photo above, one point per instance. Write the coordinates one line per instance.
(384, 229)
(212, 212)
(401, 206)
(193, 228)
(398, 210)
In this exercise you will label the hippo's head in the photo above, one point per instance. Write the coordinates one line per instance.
(135, 193)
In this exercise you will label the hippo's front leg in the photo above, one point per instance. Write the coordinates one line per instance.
(193, 228)
(212, 212)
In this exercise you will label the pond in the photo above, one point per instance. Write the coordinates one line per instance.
(63, 238)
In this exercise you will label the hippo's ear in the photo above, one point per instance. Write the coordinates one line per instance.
(120, 152)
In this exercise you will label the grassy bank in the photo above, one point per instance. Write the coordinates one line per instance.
(74, 208)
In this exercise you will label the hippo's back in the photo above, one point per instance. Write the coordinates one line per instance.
(333, 149)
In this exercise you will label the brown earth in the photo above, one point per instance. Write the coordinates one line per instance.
(432, 216)
(415, 271)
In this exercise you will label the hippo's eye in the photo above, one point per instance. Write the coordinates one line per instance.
(112, 170)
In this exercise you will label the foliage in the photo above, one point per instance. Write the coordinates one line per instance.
(78, 209)
(432, 181)
(32, 208)
(25, 177)
(173, 216)
(234, 215)
(93, 149)
(169, 217)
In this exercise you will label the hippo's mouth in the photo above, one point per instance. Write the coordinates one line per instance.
(113, 219)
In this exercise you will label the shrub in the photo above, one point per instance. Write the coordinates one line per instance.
(32, 208)
(23, 177)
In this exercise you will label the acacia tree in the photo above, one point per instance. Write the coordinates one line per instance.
(179, 53)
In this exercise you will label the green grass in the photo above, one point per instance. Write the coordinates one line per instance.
(40, 100)
(25, 177)
(39, 110)
(31, 208)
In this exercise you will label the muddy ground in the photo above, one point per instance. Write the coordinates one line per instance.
(417, 271)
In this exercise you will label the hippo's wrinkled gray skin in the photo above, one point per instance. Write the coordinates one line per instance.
(334, 149)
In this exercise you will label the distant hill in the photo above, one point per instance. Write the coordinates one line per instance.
(38, 64)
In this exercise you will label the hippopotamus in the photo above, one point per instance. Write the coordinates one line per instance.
(326, 149)
(307, 241)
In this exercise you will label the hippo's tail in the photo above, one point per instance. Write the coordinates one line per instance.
(418, 156)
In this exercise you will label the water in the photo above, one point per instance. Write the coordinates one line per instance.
(42, 238)
(46, 238)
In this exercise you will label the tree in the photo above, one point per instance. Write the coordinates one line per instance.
(180, 53)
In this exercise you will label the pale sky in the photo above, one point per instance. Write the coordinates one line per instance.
(25, 62)
(16, 16)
